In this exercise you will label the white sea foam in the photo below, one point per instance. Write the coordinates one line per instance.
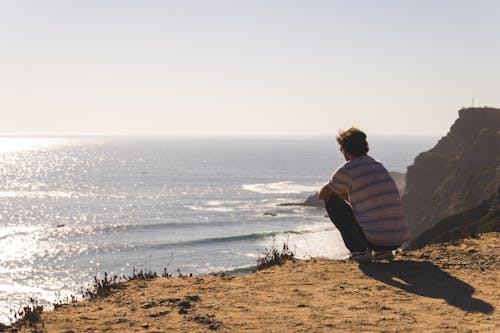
(284, 187)
(216, 203)
(317, 240)
(316, 227)
(210, 208)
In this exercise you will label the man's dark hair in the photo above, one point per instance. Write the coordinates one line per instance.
(353, 141)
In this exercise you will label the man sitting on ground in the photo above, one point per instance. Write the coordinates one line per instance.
(363, 202)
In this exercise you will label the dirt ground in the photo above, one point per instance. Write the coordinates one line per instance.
(441, 288)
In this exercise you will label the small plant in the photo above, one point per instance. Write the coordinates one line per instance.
(142, 275)
(30, 315)
(60, 302)
(101, 287)
(165, 269)
(165, 273)
(274, 256)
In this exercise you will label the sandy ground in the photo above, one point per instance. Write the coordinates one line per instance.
(441, 288)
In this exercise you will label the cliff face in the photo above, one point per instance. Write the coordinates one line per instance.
(458, 174)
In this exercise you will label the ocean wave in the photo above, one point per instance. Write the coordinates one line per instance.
(237, 270)
(225, 239)
(50, 232)
(166, 225)
(284, 187)
(251, 208)
(316, 227)
(58, 195)
(212, 208)
(4, 234)
(219, 202)
(320, 227)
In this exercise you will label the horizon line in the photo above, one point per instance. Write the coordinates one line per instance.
(204, 134)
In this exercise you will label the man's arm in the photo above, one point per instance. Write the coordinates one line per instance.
(326, 193)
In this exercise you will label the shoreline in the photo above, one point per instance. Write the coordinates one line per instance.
(443, 287)
(50, 306)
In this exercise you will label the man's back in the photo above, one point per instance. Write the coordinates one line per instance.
(374, 198)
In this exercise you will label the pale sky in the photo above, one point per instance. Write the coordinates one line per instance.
(245, 67)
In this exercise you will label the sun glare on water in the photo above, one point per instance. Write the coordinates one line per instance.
(13, 144)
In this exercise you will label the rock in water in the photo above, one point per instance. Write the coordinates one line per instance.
(313, 201)
(458, 174)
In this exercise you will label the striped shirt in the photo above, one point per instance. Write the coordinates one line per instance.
(374, 199)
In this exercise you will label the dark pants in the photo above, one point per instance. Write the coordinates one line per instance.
(341, 214)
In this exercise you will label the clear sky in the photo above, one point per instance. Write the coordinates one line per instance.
(245, 67)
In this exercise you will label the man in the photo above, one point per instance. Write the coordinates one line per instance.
(363, 202)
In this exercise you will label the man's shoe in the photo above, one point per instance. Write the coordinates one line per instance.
(383, 255)
(361, 256)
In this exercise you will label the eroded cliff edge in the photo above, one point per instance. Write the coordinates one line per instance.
(458, 175)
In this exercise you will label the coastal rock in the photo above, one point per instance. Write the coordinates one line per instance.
(313, 201)
(310, 201)
(479, 219)
(460, 173)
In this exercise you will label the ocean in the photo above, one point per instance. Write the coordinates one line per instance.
(72, 208)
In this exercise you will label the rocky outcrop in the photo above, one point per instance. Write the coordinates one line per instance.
(482, 218)
(311, 201)
(460, 173)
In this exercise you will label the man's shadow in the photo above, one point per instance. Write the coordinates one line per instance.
(426, 279)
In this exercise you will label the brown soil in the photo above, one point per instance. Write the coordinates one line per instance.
(441, 288)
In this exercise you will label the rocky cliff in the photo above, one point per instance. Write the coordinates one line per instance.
(460, 173)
